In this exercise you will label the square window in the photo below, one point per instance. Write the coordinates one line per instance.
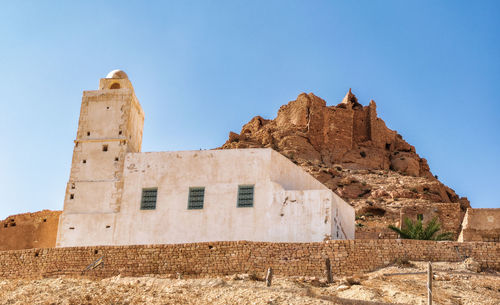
(196, 198)
(105, 147)
(71, 196)
(420, 217)
(88, 133)
(148, 199)
(245, 196)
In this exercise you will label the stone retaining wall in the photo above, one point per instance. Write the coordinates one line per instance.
(221, 258)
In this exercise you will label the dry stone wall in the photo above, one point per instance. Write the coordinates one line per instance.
(221, 258)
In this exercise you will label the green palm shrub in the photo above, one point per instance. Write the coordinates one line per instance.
(416, 230)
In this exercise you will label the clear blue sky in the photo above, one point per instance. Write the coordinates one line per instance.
(203, 68)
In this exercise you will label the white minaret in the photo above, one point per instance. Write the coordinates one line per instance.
(110, 125)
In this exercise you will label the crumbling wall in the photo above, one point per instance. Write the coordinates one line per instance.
(29, 230)
(221, 258)
(375, 233)
(481, 225)
(350, 150)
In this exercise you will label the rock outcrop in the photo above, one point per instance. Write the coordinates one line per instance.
(350, 149)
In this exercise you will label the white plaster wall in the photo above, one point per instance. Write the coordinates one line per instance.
(344, 218)
(86, 230)
(307, 215)
(101, 112)
(90, 197)
(295, 178)
(300, 216)
(99, 164)
(220, 172)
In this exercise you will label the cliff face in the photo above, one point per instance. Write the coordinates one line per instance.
(350, 150)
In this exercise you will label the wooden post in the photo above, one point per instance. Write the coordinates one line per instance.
(429, 284)
(269, 277)
(328, 271)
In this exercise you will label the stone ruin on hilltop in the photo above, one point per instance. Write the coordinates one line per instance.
(351, 150)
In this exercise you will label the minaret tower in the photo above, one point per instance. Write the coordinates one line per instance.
(110, 126)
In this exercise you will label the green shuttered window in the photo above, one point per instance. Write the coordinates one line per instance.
(245, 196)
(148, 199)
(196, 198)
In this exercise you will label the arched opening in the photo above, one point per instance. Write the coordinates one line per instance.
(115, 86)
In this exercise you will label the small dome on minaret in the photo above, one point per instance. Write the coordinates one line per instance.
(117, 74)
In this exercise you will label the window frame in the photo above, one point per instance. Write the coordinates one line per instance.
(238, 199)
(144, 207)
(190, 206)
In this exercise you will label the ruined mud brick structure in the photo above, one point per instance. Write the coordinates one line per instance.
(449, 215)
(347, 134)
(29, 230)
(481, 225)
(349, 148)
(347, 257)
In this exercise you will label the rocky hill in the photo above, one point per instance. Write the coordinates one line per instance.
(350, 149)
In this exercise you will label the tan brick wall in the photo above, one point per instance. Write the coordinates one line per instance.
(29, 230)
(221, 258)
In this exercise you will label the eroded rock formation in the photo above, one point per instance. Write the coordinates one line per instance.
(350, 149)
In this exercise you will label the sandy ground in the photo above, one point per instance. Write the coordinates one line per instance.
(479, 288)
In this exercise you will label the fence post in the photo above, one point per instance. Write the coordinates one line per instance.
(429, 284)
(328, 270)
(269, 276)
